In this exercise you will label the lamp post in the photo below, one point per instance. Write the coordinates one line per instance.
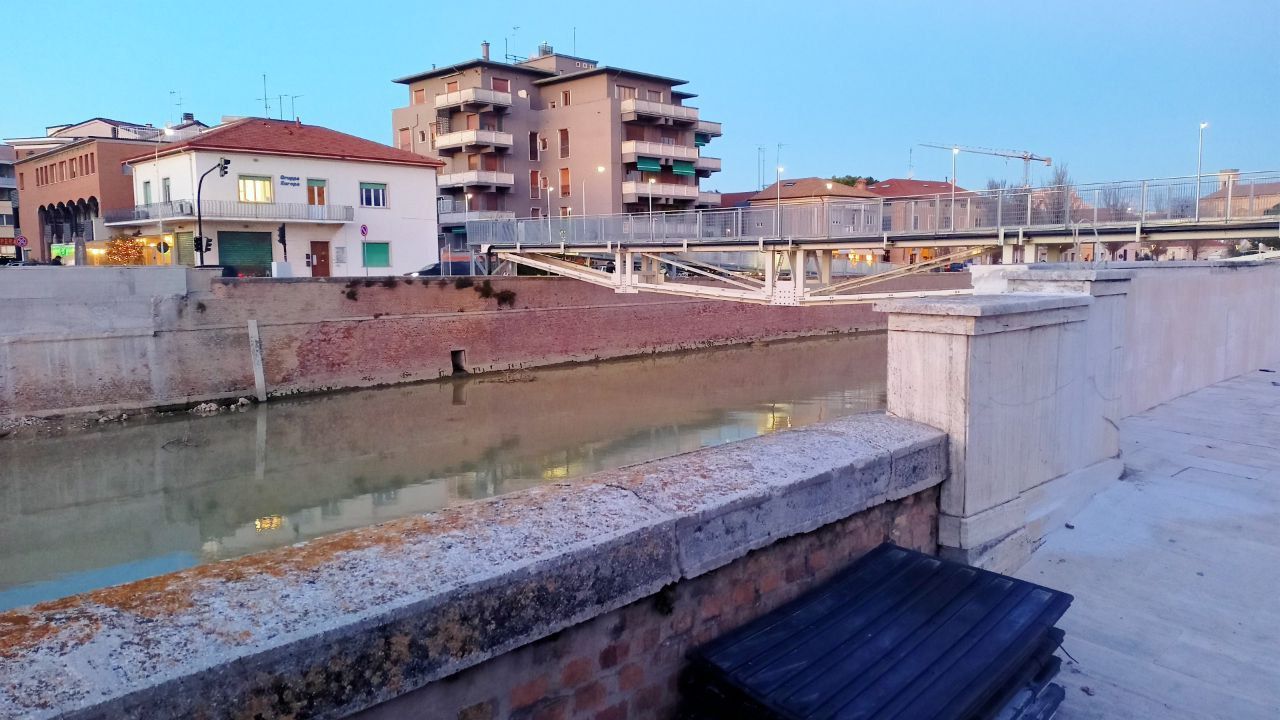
(466, 206)
(599, 171)
(201, 242)
(167, 132)
(651, 182)
(1199, 165)
(954, 152)
(777, 205)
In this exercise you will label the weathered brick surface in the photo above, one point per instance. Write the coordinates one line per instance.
(635, 654)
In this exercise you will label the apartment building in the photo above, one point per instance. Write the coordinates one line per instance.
(291, 199)
(555, 134)
(8, 204)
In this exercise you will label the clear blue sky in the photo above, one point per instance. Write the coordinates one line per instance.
(1115, 89)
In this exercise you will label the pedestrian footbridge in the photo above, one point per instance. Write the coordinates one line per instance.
(832, 252)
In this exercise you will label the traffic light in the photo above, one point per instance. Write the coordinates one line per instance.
(280, 234)
(208, 244)
(223, 164)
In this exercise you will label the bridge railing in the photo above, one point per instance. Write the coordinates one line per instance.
(1170, 200)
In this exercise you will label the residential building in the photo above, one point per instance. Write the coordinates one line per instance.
(1241, 199)
(810, 191)
(57, 136)
(923, 206)
(555, 134)
(8, 203)
(344, 205)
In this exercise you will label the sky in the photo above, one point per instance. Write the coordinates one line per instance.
(1115, 90)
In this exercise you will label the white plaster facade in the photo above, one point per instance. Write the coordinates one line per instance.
(408, 222)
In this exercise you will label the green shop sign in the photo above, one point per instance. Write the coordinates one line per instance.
(65, 250)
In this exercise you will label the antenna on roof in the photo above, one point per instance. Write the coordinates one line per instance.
(178, 101)
(911, 165)
(266, 99)
(575, 40)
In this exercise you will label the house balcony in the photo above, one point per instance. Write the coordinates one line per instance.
(473, 98)
(707, 127)
(455, 212)
(707, 165)
(476, 178)
(709, 199)
(634, 149)
(230, 210)
(637, 110)
(474, 140)
(633, 191)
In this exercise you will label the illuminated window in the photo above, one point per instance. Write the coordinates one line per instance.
(373, 195)
(255, 189)
(565, 186)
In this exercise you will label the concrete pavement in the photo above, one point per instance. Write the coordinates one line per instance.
(1176, 567)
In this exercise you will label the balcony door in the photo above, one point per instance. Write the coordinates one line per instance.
(317, 190)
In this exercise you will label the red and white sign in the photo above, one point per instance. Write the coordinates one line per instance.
(20, 241)
(364, 231)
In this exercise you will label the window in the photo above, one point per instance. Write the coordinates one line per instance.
(93, 163)
(500, 84)
(564, 143)
(473, 162)
(146, 192)
(165, 191)
(373, 194)
(419, 96)
(565, 211)
(534, 184)
(403, 141)
(422, 136)
(654, 95)
(73, 168)
(624, 92)
(62, 171)
(377, 254)
(533, 146)
(316, 191)
(565, 185)
(553, 104)
(451, 86)
(542, 143)
(254, 189)
(535, 212)
(564, 98)
(22, 181)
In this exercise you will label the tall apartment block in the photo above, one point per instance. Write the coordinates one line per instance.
(555, 134)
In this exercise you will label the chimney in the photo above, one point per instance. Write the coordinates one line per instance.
(1228, 176)
(188, 117)
(484, 50)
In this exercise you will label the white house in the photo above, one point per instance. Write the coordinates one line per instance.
(345, 206)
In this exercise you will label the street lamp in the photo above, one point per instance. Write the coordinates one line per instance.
(954, 152)
(1199, 165)
(600, 171)
(777, 207)
(466, 206)
(651, 182)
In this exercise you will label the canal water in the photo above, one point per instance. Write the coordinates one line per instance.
(127, 502)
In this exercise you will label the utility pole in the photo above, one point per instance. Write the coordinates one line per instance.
(266, 99)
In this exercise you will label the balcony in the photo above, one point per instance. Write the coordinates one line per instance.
(707, 165)
(473, 98)
(230, 210)
(640, 191)
(635, 109)
(632, 149)
(474, 140)
(469, 178)
(454, 212)
(709, 199)
(706, 127)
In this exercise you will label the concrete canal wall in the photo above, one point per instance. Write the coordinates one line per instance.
(76, 340)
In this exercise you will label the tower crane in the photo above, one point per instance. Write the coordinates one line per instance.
(1025, 156)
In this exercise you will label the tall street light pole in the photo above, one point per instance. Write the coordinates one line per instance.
(651, 182)
(1199, 165)
(955, 151)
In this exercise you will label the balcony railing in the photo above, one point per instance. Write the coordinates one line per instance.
(711, 199)
(473, 96)
(230, 210)
(476, 177)
(707, 127)
(653, 149)
(459, 217)
(707, 164)
(634, 107)
(634, 191)
(469, 138)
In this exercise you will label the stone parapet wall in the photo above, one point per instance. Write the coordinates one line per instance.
(595, 589)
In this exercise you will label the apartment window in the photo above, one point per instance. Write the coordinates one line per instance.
(73, 169)
(542, 144)
(500, 84)
(534, 183)
(422, 136)
(533, 146)
(62, 171)
(535, 212)
(146, 192)
(377, 254)
(473, 162)
(624, 92)
(403, 141)
(373, 195)
(316, 191)
(419, 96)
(93, 163)
(564, 143)
(565, 211)
(166, 194)
(252, 188)
(473, 122)
(654, 95)
(22, 181)
(564, 98)
(451, 86)
(565, 185)
(553, 104)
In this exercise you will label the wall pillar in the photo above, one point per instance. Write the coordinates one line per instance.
(1023, 383)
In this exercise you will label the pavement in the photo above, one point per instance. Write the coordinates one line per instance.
(1175, 569)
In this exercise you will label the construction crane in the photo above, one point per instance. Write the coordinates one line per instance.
(1025, 156)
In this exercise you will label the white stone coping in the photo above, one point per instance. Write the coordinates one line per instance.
(982, 305)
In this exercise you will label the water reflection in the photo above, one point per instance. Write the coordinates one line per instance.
(129, 502)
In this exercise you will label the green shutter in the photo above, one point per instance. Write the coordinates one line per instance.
(683, 167)
(377, 254)
(315, 183)
(647, 164)
(248, 252)
(701, 139)
(186, 248)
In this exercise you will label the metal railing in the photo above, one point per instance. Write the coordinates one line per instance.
(228, 209)
(1248, 196)
(670, 150)
(660, 109)
(473, 95)
(462, 138)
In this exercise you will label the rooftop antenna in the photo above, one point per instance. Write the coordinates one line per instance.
(293, 110)
(575, 40)
(177, 98)
(506, 51)
(911, 163)
(266, 99)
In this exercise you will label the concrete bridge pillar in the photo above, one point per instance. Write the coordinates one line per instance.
(1024, 385)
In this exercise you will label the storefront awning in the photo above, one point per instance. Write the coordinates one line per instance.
(646, 164)
(683, 167)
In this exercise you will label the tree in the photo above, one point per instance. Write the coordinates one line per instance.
(1059, 192)
(852, 180)
(124, 250)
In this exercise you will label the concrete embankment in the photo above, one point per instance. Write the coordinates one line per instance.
(93, 340)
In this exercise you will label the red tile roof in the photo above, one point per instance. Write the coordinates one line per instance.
(906, 187)
(736, 199)
(811, 187)
(286, 137)
(1243, 190)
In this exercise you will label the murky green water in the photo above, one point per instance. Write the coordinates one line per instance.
(123, 503)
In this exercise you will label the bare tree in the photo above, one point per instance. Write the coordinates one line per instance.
(1058, 193)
